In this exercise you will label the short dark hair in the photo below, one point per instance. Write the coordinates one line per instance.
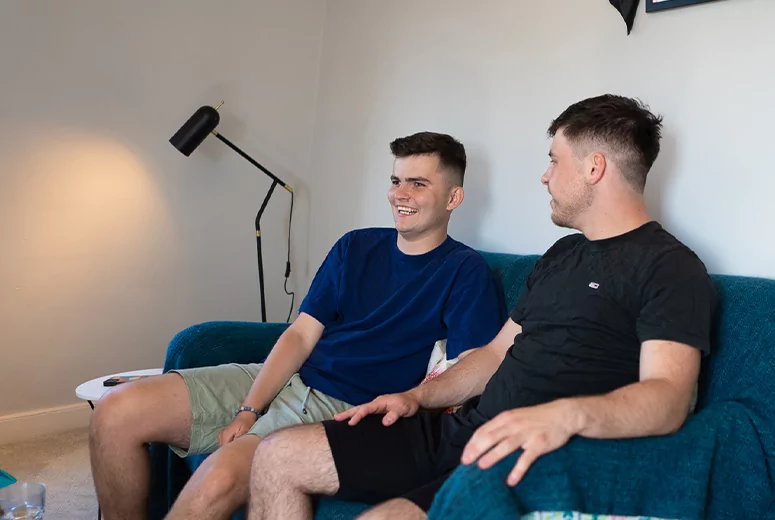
(625, 126)
(450, 151)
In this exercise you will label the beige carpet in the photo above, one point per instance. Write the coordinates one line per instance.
(62, 463)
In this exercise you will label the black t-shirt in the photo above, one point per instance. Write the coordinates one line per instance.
(587, 308)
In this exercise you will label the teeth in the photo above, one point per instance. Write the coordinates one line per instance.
(406, 211)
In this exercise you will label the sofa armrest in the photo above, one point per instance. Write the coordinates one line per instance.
(218, 342)
(670, 476)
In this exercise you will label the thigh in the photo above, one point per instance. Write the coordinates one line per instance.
(297, 458)
(375, 463)
(297, 404)
(155, 409)
(214, 393)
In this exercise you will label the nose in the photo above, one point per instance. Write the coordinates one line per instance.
(400, 193)
(545, 178)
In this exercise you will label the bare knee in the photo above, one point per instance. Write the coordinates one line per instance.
(396, 508)
(225, 475)
(221, 481)
(270, 458)
(114, 414)
(143, 411)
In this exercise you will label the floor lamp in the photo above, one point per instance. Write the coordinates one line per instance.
(190, 136)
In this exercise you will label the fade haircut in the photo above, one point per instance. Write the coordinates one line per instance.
(450, 151)
(624, 128)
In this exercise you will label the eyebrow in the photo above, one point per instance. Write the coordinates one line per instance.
(411, 179)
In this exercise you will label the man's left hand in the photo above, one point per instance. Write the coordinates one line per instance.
(536, 429)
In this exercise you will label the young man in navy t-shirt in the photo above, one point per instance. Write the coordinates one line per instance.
(377, 306)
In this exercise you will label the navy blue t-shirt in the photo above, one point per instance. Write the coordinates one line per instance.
(383, 311)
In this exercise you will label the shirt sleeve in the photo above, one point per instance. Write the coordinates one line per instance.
(475, 310)
(322, 300)
(678, 302)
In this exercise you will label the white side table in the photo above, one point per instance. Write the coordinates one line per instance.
(93, 390)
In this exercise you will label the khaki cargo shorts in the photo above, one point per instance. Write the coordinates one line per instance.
(216, 392)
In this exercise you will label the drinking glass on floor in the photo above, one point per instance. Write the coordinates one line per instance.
(23, 501)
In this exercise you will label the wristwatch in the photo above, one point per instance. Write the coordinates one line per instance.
(248, 409)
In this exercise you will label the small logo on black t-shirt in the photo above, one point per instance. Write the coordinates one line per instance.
(594, 285)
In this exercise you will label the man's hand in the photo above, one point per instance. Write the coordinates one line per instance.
(535, 429)
(392, 405)
(238, 427)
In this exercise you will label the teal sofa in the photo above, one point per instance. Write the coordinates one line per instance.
(720, 465)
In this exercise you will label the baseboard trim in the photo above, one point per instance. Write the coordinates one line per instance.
(34, 423)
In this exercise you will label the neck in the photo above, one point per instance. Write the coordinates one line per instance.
(607, 222)
(421, 244)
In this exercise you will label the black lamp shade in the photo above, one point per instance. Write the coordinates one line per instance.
(195, 130)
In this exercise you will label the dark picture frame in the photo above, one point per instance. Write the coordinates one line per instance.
(661, 5)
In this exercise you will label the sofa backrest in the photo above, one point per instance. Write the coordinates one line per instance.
(741, 367)
(511, 273)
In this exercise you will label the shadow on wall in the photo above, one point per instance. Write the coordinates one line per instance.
(468, 220)
(661, 176)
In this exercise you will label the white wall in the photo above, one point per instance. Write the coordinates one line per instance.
(495, 73)
(111, 241)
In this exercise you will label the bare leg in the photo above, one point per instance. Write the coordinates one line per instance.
(221, 484)
(396, 508)
(127, 418)
(289, 467)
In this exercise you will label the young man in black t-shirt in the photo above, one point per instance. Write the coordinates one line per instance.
(605, 342)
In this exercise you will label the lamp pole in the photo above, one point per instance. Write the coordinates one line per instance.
(275, 182)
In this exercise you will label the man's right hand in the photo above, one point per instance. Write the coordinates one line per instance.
(392, 406)
(238, 427)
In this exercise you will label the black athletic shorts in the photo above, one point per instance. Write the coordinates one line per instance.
(376, 463)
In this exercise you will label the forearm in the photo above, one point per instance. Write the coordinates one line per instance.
(283, 361)
(466, 379)
(650, 407)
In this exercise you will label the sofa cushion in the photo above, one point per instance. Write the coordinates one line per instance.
(742, 364)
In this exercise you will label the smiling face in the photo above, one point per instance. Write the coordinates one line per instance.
(421, 196)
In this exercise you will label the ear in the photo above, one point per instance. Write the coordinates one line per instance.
(456, 196)
(596, 167)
